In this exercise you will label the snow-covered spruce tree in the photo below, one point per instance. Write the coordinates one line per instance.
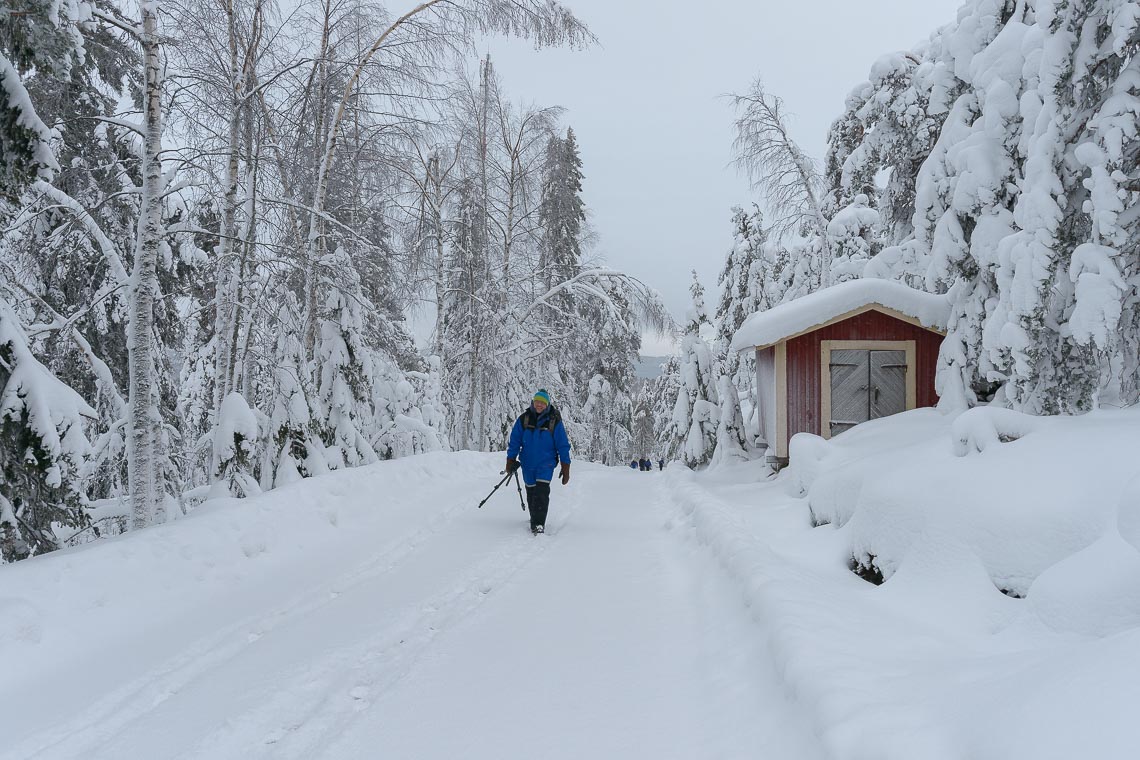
(235, 439)
(696, 415)
(769, 279)
(43, 449)
(732, 438)
(195, 402)
(738, 296)
(744, 288)
(406, 421)
(462, 313)
(1105, 269)
(662, 391)
(614, 340)
(571, 369)
(1023, 205)
(562, 210)
(967, 183)
(887, 129)
(1067, 290)
(422, 426)
(63, 255)
(1008, 231)
(599, 422)
(41, 36)
(295, 449)
(345, 369)
(852, 236)
(643, 443)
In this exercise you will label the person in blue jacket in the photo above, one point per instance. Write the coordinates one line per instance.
(538, 443)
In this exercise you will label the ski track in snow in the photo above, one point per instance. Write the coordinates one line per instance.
(135, 703)
(338, 673)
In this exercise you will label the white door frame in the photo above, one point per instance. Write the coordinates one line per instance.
(827, 346)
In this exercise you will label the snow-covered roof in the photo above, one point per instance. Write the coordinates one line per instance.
(823, 306)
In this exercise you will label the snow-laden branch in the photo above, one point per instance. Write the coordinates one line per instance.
(66, 326)
(646, 301)
(121, 123)
(573, 283)
(106, 246)
(135, 30)
(322, 214)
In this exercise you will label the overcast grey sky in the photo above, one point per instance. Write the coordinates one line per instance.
(655, 134)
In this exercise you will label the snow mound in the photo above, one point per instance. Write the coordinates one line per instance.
(1095, 592)
(1128, 516)
(793, 317)
(1021, 493)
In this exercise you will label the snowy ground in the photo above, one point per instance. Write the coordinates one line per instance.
(378, 613)
(937, 663)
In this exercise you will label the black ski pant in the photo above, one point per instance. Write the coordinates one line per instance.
(538, 499)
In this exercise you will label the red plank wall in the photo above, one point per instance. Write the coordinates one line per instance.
(803, 363)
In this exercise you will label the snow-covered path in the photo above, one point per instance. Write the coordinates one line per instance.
(463, 636)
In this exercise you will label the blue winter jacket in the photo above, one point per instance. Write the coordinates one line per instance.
(536, 447)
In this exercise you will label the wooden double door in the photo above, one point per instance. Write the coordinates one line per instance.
(866, 384)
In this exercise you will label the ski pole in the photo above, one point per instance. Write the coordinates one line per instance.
(496, 488)
(521, 502)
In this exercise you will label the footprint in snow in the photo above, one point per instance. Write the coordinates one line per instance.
(359, 696)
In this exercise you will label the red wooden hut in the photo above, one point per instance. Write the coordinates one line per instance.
(843, 355)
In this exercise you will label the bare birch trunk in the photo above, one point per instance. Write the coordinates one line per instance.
(143, 416)
(479, 372)
(226, 281)
(314, 248)
(433, 191)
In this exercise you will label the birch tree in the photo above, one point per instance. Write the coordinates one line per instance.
(787, 178)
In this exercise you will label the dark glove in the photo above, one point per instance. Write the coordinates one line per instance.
(565, 473)
(512, 464)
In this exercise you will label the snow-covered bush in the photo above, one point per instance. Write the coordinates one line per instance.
(295, 449)
(978, 429)
(235, 437)
(1019, 494)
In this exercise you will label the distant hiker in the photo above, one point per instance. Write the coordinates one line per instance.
(539, 440)
(644, 464)
(633, 464)
(661, 464)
